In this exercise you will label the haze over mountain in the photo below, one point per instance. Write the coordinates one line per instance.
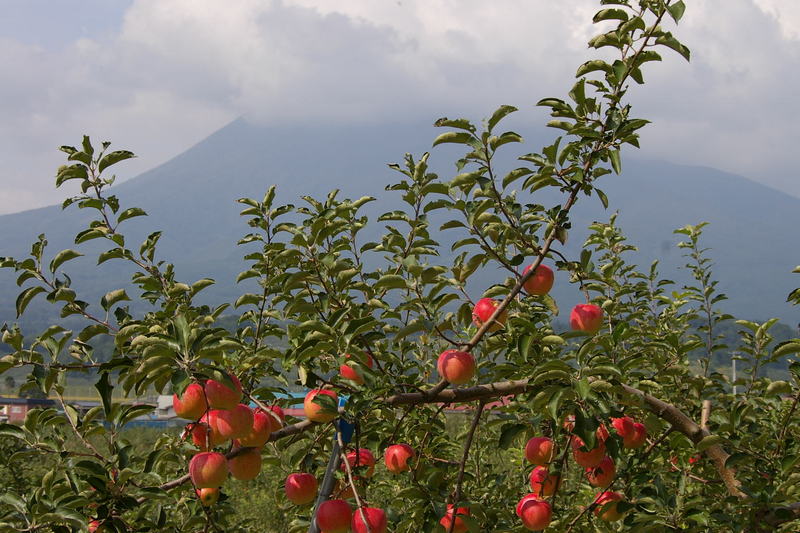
(191, 198)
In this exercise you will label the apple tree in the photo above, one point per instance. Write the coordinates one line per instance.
(432, 404)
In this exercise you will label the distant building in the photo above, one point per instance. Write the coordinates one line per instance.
(14, 409)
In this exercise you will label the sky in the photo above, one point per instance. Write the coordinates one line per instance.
(158, 76)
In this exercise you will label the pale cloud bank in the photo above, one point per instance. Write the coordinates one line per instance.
(156, 76)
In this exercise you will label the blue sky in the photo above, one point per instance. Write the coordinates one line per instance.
(157, 76)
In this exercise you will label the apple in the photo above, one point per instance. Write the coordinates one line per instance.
(541, 282)
(246, 465)
(543, 483)
(192, 403)
(362, 458)
(639, 437)
(376, 519)
(220, 396)
(607, 506)
(450, 516)
(301, 488)
(334, 516)
(208, 470)
(204, 433)
(234, 423)
(603, 474)
(260, 430)
(456, 367)
(396, 458)
(278, 417)
(484, 309)
(539, 450)
(207, 496)
(534, 512)
(587, 318)
(589, 458)
(96, 526)
(352, 371)
(316, 412)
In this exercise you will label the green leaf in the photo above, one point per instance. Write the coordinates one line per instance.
(508, 433)
(497, 116)
(676, 10)
(616, 164)
(62, 257)
(778, 387)
(104, 388)
(457, 137)
(130, 213)
(25, 298)
(113, 297)
(610, 14)
(113, 158)
(391, 281)
(708, 441)
(786, 348)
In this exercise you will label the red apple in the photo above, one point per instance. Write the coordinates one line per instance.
(639, 437)
(396, 458)
(607, 506)
(207, 496)
(535, 513)
(456, 367)
(234, 423)
(541, 282)
(220, 396)
(543, 483)
(301, 488)
(624, 426)
(450, 517)
(246, 465)
(334, 516)
(484, 309)
(192, 403)
(362, 458)
(589, 458)
(278, 417)
(539, 450)
(376, 519)
(587, 318)
(603, 474)
(352, 369)
(314, 411)
(260, 431)
(96, 526)
(204, 433)
(208, 470)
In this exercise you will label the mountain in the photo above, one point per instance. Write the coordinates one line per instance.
(192, 199)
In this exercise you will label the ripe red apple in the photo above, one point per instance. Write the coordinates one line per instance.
(543, 483)
(396, 458)
(639, 437)
(234, 423)
(301, 488)
(96, 526)
(456, 367)
(278, 417)
(603, 474)
(624, 426)
(246, 465)
(362, 458)
(589, 458)
(260, 431)
(376, 519)
(208, 470)
(220, 396)
(607, 506)
(534, 512)
(587, 318)
(207, 496)
(450, 516)
(204, 433)
(334, 516)
(539, 450)
(352, 369)
(314, 411)
(541, 282)
(192, 403)
(484, 309)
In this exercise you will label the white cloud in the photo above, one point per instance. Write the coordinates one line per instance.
(175, 70)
